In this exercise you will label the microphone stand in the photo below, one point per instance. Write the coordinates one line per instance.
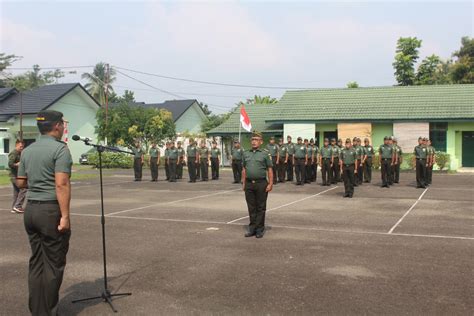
(106, 296)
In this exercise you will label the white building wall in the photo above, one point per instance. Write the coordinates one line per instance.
(407, 134)
(295, 130)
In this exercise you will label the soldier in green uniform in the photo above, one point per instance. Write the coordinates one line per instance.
(282, 161)
(300, 160)
(137, 161)
(198, 167)
(347, 165)
(314, 161)
(290, 148)
(308, 168)
(45, 169)
(173, 161)
(340, 144)
(369, 154)
(360, 157)
(257, 179)
(236, 157)
(386, 161)
(191, 160)
(204, 157)
(325, 161)
(397, 161)
(335, 170)
(181, 154)
(13, 163)
(392, 169)
(421, 156)
(272, 148)
(431, 155)
(215, 161)
(167, 167)
(154, 161)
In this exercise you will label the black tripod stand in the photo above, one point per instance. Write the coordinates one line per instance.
(105, 295)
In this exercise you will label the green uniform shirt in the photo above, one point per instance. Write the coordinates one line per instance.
(154, 152)
(167, 152)
(316, 152)
(215, 152)
(430, 150)
(420, 152)
(326, 152)
(291, 148)
(191, 151)
(203, 152)
(39, 162)
(282, 150)
(348, 156)
(256, 163)
(385, 151)
(397, 150)
(180, 152)
(310, 151)
(272, 149)
(369, 151)
(13, 158)
(300, 151)
(173, 153)
(336, 151)
(137, 152)
(237, 154)
(359, 151)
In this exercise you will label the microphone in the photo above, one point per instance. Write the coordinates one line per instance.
(84, 139)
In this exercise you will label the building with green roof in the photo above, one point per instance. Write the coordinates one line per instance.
(444, 113)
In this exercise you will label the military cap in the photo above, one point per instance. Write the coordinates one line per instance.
(49, 116)
(394, 140)
(425, 138)
(340, 140)
(420, 138)
(305, 140)
(354, 139)
(179, 143)
(348, 140)
(311, 140)
(326, 140)
(333, 139)
(272, 138)
(299, 138)
(214, 142)
(386, 138)
(289, 136)
(257, 134)
(236, 141)
(366, 139)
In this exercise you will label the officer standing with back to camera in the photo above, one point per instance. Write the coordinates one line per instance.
(290, 148)
(421, 156)
(215, 161)
(273, 150)
(45, 169)
(335, 170)
(154, 162)
(300, 160)
(173, 162)
(386, 161)
(347, 165)
(236, 157)
(191, 160)
(325, 161)
(369, 154)
(282, 161)
(257, 179)
(137, 161)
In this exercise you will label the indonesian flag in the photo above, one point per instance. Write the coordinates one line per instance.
(244, 120)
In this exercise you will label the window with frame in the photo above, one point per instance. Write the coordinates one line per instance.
(438, 135)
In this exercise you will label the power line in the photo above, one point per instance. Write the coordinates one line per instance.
(48, 68)
(188, 93)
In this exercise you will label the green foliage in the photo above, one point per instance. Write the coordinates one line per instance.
(405, 59)
(96, 84)
(258, 99)
(214, 120)
(375, 162)
(442, 160)
(7, 60)
(127, 97)
(111, 160)
(352, 84)
(33, 79)
(431, 71)
(463, 69)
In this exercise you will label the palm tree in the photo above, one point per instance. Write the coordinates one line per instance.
(97, 81)
(258, 99)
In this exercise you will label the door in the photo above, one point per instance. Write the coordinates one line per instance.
(468, 149)
(330, 135)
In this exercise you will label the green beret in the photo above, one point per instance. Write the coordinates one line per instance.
(49, 116)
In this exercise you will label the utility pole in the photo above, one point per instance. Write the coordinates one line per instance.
(107, 74)
(21, 116)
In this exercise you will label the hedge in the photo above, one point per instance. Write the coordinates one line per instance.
(409, 162)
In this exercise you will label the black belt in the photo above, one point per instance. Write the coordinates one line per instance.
(173, 159)
(300, 158)
(326, 158)
(236, 160)
(43, 202)
(386, 158)
(348, 165)
(256, 181)
(420, 158)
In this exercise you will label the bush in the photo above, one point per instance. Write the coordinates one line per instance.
(442, 159)
(111, 160)
(375, 162)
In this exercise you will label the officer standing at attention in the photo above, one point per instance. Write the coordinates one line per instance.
(191, 160)
(421, 156)
(204, 157)
(431, 155)
(369, 154)
(314, 165)
(257, 179)
(272, 148)
(347, 165)
(325, 161)
(215, 160)
(310, 150)
(173, 162)
(360, 157)
(167, 167)
(335, 170)
(45, 169)
(154, 162)
(137, 161)
(300, 160)
(179, 168)
(290, 148)
(282, 161)
(392, 169)
(236, 157)
(398, 159)
(386, 161)
(13, 163)
(198, 167)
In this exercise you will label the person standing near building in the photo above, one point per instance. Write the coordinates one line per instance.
(179, 168)
(138, 161)
(360, 157)
(347, 166)
(282, 160)
(367, 163)
(204, 158)
(154, 161)
(45, 169)
(431, 155)
(272, 148)
(167, 167)
(397, 161)
(385, 161)
(325, 161)
(215, 161)
(421, 163)
(198, 166)
(257, 179)
(13, 163)
(236, 157)
(290, 148)
(335, 170)
(300, 160)
(309, 163)
(173, 161)
(191, 160)
(314, 164)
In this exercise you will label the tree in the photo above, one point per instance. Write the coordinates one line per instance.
(33, 79)
(7, 60)
(97, 81)
(127, 96)
(405, 59)
(214, 120)
(430, 71)
(257, 99)
(352, 84)
(205, 108)
(463, 68)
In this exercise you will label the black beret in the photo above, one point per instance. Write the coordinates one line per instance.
(49, 116)
(299, 138)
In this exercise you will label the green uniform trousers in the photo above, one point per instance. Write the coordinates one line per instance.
(172, 167)
(256, 198)
(137, 168)
(192, 169)
(154, 168)
(348, 177)
(368, 170)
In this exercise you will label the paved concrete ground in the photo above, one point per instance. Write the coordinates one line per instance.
(180, 249)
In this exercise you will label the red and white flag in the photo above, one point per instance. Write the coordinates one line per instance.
(245, 120)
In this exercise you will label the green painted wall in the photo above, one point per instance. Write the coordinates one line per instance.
(454, 142)
(379, 131)
(191, 120)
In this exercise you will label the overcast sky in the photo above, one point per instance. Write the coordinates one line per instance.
(287, 43)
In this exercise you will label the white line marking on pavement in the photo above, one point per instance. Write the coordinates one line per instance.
(172, 202)
(407, 212)
(287, 204)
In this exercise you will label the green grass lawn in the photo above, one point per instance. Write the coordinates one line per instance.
(76, 176)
